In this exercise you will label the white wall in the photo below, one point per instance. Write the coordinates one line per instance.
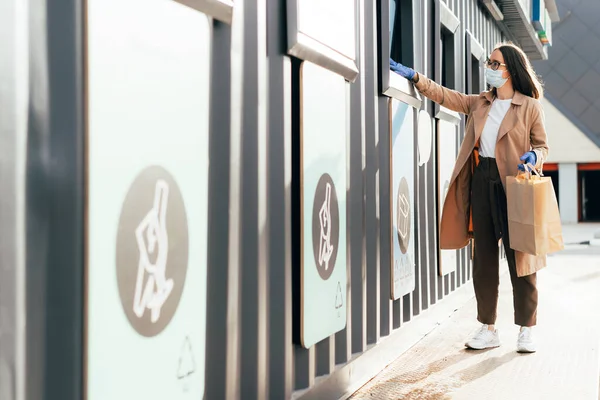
(567, 192)
(567, 142)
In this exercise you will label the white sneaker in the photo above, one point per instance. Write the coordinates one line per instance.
(525, 343)
(484, 339)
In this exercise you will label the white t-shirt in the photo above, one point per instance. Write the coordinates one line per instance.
(487, 143)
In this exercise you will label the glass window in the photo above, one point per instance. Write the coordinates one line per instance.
(475, 76)
(448, 61)
(392, 19)
(401, 31)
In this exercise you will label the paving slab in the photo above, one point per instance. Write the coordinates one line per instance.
(566, 366)
(577, 233)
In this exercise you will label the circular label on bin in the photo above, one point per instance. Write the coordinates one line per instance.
(404, 215)
(152, 251)
(325, 226)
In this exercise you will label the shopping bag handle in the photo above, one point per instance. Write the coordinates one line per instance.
(532, 169)
(529, 168)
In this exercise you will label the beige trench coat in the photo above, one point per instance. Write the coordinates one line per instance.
(522, 130)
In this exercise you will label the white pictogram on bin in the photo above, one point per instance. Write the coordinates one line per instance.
(153, 244)
(325, 246)
(403, 216)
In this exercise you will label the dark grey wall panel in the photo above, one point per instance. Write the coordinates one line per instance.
(417, 293)
(434, 52)
(302, 361)
(55, 202)
(280, 368)
(385, 218)
(218, 216)
(370, 173)
(250, 272)
(324, 351)
(356, 211)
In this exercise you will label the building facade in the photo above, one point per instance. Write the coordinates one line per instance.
(572, 81)
(229, 199)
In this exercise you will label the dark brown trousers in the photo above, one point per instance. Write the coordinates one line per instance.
(490, 224)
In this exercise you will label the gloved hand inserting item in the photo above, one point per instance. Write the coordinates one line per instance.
(401, 70)
(528, 158)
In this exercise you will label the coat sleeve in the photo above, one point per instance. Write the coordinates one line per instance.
(448, 98)
(538, 137)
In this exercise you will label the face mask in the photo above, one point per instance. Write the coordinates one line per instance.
(494, 78)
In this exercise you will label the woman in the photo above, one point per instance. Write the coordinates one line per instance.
(505, 130)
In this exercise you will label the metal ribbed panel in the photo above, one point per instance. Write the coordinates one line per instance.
(372, 315)
(253, 203)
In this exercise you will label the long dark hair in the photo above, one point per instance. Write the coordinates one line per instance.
(524, 78)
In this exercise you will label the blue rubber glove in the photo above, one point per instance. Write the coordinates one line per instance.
(401, 70)
(528, 158)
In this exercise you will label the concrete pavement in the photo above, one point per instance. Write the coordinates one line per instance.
(566, 366)
(579, 233)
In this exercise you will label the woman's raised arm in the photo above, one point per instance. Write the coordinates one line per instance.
(448, 98)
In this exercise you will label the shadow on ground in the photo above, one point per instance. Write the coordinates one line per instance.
(431, 381)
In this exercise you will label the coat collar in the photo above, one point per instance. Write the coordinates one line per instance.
(509, 121)
(517, 99)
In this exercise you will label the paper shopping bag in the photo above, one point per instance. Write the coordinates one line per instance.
(533, 218)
